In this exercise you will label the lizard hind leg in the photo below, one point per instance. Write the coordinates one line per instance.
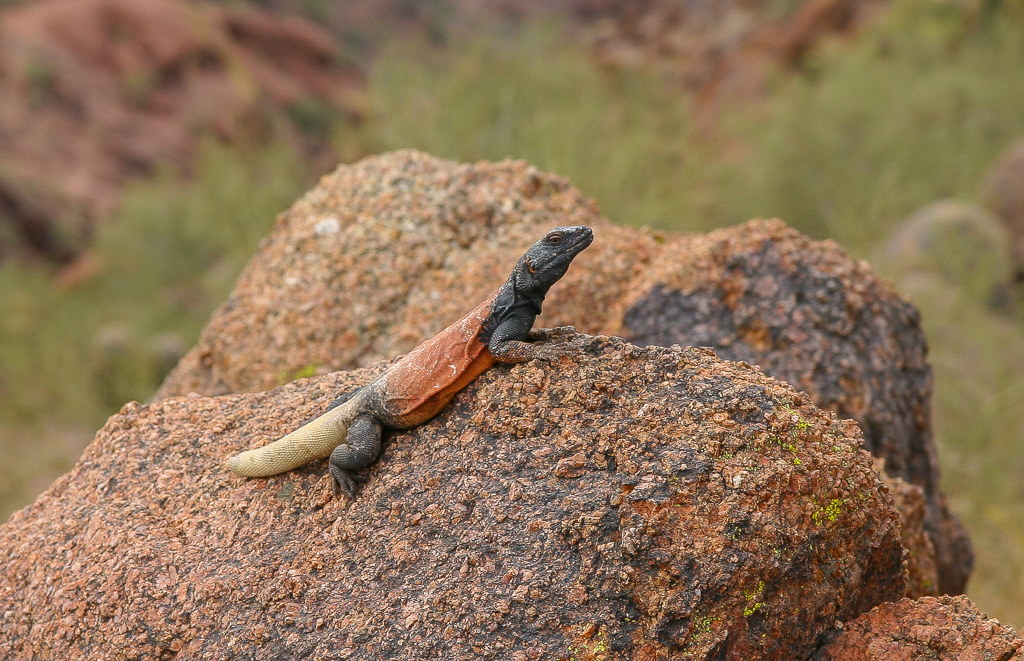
(360, 448)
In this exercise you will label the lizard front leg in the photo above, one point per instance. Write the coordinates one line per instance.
(507, 343)
(361, 447)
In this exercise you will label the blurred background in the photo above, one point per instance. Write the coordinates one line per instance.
(146, 146)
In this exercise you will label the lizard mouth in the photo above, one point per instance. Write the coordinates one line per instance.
(582, 238)
(577, 240)
(549, 258)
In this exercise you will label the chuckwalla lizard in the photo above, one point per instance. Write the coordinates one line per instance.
(416, 387)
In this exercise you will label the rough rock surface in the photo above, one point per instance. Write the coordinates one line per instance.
(806, 313)
(912, 505)
(628, 503)
(95, 92)
(933, 629)
(384, 254)
(387, 252)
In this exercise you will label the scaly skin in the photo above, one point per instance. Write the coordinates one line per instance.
(314, 440)
(422, 382)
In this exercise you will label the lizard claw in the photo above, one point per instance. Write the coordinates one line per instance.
(558, 333)
(345, 482)
(550, 353)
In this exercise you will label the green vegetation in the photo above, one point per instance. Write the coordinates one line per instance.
(70, 358)
(167, 260)
(622, 139)
(914, 110)
(978, 358)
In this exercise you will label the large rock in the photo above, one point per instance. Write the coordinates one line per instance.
(940, 629)
(627, 503)
(387, 252)
(808, 314)
(912, 505)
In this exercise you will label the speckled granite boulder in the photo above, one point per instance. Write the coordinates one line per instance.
(387, 252)
(384, 254)
(807, 313)
(629, 503)
(933, 629)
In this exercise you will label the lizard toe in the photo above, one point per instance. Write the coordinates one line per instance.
(557, 333)
(550, 354)
(344, 482)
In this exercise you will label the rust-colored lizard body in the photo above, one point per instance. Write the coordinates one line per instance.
(422, 382)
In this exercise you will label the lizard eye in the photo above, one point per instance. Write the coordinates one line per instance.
(554, 239)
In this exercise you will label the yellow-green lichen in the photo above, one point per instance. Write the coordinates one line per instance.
(752, 597)
(829, 512)
(834, 508)
(703, 626)
(305, 372)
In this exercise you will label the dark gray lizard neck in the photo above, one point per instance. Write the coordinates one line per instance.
(515, 302)
(519, 300)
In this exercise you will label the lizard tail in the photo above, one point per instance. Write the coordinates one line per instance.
(314, 440)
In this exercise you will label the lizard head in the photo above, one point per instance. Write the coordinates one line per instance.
(547, 260)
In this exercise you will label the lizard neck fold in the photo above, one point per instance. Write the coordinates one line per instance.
(531, 299)
(514, 301)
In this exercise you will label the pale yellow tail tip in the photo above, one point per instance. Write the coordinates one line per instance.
(233, 464)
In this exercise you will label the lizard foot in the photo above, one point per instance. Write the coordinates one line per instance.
(551, 353)
(345, 482)
(557, 333)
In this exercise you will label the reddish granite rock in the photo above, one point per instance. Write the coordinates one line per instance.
(724, 52)
(934, 629)
(384, 254)
(387, 252)
(911, 503)
(628, 503)
(94, 93)
(807, 313)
